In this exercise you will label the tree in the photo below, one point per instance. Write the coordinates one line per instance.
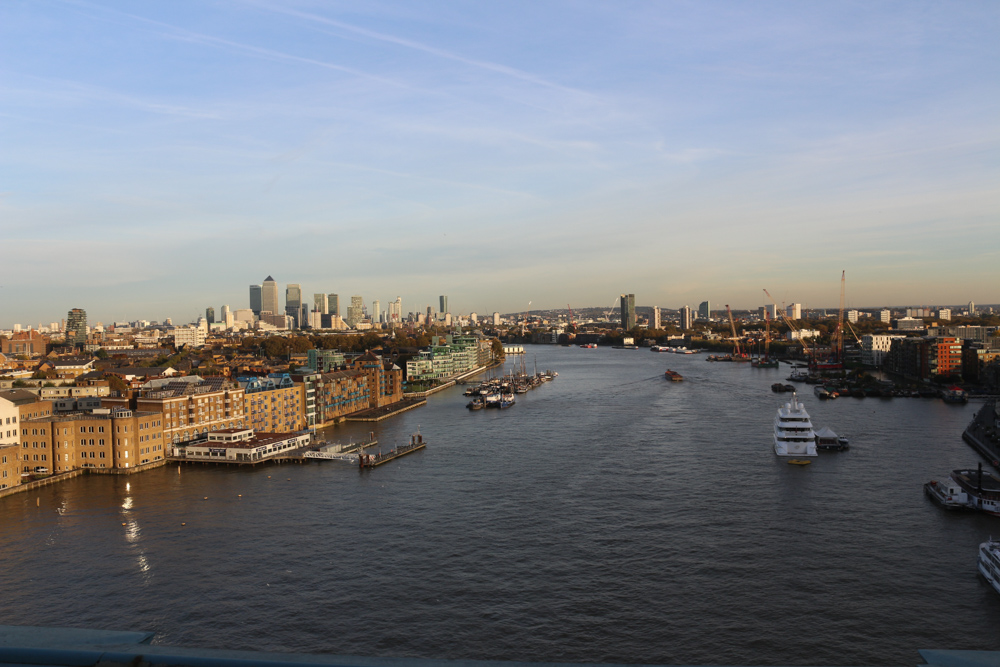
(497, 347)
(101, 354)
(116, 383)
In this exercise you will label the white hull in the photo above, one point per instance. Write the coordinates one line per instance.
(793, 431)
(989, 563)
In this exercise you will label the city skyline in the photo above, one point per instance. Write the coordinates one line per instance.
(702, 151)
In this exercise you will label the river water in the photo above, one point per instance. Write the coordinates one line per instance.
(610, 516)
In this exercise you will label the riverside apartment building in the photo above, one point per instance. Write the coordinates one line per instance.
(118, 438)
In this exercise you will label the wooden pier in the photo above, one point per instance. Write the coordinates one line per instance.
(374, 460)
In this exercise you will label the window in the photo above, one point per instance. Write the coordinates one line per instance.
(100, 429)
(102, 455)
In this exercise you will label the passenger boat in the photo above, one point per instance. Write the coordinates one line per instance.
(793, 431)
(989, 562)
(673, 376)
(969, 489)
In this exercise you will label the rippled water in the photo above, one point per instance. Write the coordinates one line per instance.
(610, 516)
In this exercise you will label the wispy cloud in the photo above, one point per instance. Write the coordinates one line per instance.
(423, 48)
(183, 34)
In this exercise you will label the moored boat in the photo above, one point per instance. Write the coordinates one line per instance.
(793, 431)
(989, 562)
(975, 489)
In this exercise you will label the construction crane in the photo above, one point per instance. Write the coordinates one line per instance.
(524, 321)
(737, 352)
(788, 323)
(614, 304)
(838, 333)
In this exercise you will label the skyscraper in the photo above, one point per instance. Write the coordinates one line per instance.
(227, 316)
(356, 311)
(628, 311)
(269, 296)
(320, 304)
(794, 311)
(76, 327)
(255, 299)
(655, 323)
(210, 315)
(443, 302)
(333, 304)
(293, 302)
(705, 310)
(687, 319)
(376, 311)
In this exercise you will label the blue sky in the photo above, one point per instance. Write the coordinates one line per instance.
(159, 157)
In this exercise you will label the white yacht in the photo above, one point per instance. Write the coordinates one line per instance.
(989, 562)
(793, 432)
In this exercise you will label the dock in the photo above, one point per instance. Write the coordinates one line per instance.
(374, 460)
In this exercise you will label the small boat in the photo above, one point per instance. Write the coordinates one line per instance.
(589, 346)
(989, 562)
(955, 395)
(778, 388)
(475, 404)
(799, 462)
(673, 376)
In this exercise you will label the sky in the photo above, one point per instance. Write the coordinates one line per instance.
(157, 158)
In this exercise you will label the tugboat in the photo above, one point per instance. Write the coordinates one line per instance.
(475, 404)
(673, 376)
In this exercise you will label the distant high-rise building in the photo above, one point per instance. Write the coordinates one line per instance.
(256, 299)
(269, 297)
(885, 316)
(852, 316)
(333, 304)
(474, 318)
(430, 317)
(443, 302)
(794, 311)
(944, 314)
(394, 315)
(496, 319)
(293, 301)
(227, 317)
(655, 324)
(972, 308)
(376, 311)
(320, 304)
(687, 318)
(76, 327)
(705, 310)
(628, 311)
(210, 315)
(356, 311)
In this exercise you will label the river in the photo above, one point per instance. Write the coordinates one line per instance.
(610, 516)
